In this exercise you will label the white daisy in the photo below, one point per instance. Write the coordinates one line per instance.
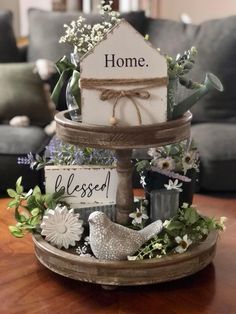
(167, 163)
(184, 243)
(61, 227)
(189, 160)
(138, 216)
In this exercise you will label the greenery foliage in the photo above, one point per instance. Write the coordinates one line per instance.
(181, 66)
(30, 207)
(186, 229)
(178, 157)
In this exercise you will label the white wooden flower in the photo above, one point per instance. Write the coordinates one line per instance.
(62, 227)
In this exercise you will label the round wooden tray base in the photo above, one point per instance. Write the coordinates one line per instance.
(110, 274)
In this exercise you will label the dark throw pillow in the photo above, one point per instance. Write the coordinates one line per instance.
(8, 48)
(22, 93)
(216, 44)
(215, 41)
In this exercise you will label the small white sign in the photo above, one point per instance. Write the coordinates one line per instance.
(83, 184)
(123, 56)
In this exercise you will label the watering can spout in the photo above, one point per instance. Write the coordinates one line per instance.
(211, 82)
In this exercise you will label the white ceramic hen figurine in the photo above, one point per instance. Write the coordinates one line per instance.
(110, 241)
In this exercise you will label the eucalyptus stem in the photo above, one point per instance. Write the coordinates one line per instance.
(171, 93)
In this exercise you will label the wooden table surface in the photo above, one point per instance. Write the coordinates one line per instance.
(27, 287)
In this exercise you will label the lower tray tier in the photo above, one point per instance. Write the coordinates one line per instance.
(125, 273)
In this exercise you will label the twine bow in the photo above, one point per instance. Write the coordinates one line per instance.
(108, 93)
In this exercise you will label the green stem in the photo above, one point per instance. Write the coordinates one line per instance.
(171, 92)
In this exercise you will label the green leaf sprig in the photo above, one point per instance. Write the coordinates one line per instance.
(186, 222)
(181, 66)
(30, 207)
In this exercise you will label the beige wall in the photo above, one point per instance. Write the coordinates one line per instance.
(24, 6)
(12, 5)
(19, 9)
(198, 10)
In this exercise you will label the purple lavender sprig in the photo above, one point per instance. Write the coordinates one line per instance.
(35, 162)
(59, 153)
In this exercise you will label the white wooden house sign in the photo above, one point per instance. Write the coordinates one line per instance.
(123, 80)
(83, 184)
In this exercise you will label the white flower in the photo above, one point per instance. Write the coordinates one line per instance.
(222, 222)
(185, 205)
(184, 243)
(86, 255)
(174, 185)
(157, 246)
(87, 240)
(142, 181)
(153, 152)
(28, 193)
(138, 216)
(61, 227)
(131, 258)
(189, 160)
(167, 163)
(166, 223)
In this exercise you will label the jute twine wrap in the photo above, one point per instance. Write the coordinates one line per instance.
(137, 92)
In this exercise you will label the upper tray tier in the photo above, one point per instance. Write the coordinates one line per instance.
(116, 137)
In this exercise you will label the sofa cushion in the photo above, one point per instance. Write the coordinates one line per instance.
(215, 41)
(16, 142)
(171, 37)
(22, 140)
(8, 48)
(216, 44)
(215, 142)
(22, 93)
(46, 28)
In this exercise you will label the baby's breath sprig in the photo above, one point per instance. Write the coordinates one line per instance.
(84, 37)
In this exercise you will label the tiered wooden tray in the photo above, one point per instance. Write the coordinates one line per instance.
(109, 273)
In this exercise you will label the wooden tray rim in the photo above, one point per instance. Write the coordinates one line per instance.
(63, 120)
(209, 242)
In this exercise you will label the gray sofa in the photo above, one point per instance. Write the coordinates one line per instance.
(214, 117)
(21, 93)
